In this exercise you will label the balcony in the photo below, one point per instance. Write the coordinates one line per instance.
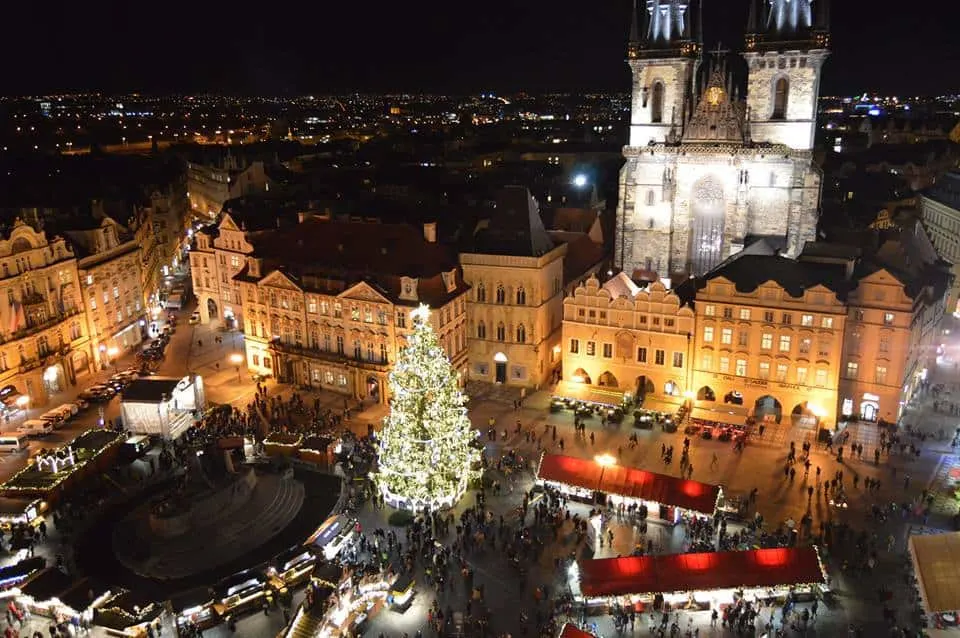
(324, 355)
(34, 328)
(45, 359)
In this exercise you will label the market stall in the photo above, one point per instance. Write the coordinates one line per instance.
(666, 497)
(282, 444)
(723, 413)
(357, 598)
(935, 558)
(21, 572)
(85, 596)
(572, 391)
(125, 613)
(293, 566)
(335, 534)
(20, 511)
(570, 630)
(193, 610)
(696, 581)
(240, 593)
(162, 406)
(40, 594)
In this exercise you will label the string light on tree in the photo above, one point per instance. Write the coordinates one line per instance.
(426, 459)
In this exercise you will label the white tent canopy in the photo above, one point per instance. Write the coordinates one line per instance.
(162, 406)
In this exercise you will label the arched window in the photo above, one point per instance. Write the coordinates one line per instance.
(521, 296)
(521, 334)
(481, 330)
(501, 332)
(651, 198)
(501, 294)
(781, 91)
(481, 293)
(656, 103)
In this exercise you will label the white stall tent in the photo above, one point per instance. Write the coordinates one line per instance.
(162, 406)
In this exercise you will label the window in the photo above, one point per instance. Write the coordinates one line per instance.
(342, 380)
(324, 307)
(726, 336)
(328, 377)
(745, 314)
(354, 313)
(677, 359)
(781, 93)
(784, 343)
(93, 299)
(741, 370)
(340, 344)
(820, 379)
(826, 322)
(522, 334)
(256, 359)
(805, 345)
(764, 369)
(858, 315)
(608, 351)
(369, 351)
(668, 322)
(368, 316)
(881, 374)
(267, 363)
(312, 306)
(656, 103)
(401, 319)
(768, 316)
(119, 316)
(382, 317)
(574, 346)
(884, 344)
(766, 341)
(806, 320)
(706, 361)
(710, 311)
(801, 375)
(481, 330)
(781, 372)
(787, 319)
(501, 332)
(337, 310)
(89, 278)
(651, 198)
(641, 355)
(356, 349)
(743, 338)
(591, 348)
(521, 296)
(708, 334)
(888, 318)
(823, 348)
(728, 313)
(853, 369)
(724, 365)
(481, 293)
(501, 294)
(659, 357)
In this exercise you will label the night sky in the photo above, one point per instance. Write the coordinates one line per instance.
(421, 45)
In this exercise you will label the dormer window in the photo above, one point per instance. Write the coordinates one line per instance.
(408, 288)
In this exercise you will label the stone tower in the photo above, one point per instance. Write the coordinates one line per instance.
(663, 55)
(786, 45)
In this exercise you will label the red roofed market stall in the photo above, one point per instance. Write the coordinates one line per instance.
(582, 478)
(701, 580)
(571, 631)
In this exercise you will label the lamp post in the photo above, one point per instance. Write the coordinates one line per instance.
(236, 359)
(604, 461)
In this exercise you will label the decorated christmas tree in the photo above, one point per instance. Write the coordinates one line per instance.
(426, 459)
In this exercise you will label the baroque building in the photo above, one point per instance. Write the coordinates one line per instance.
(940, 209)
(43, 332)
(219, 252)
(109, 269)
(707, 172)
(327, 303)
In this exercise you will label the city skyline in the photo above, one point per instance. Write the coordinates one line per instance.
(438, 48)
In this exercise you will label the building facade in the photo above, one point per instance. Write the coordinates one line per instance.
(769, 335)
(940, 208)
(705, 171)
(44, 344)
(210, 185)
(327, 304)
(619, 337)
(218, 254)
(110, 274)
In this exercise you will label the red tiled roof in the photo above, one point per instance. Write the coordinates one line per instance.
(571, 631)
(630, 482)
(700, 572)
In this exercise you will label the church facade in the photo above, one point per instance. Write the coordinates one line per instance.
(706, 170)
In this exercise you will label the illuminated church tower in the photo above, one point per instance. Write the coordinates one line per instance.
(706, 171)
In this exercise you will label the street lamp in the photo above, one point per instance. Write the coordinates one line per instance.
(236, 359)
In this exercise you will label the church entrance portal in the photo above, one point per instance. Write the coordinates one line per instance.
(706, 232)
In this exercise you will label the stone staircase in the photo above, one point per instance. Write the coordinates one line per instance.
(305, 625)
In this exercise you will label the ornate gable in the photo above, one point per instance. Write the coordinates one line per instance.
(718, 117)
(278, 279)
(227, 223)
(363, 292)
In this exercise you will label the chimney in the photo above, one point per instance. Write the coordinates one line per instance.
(430, 232)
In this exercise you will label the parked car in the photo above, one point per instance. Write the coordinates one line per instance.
(195, 318)
(35, 427)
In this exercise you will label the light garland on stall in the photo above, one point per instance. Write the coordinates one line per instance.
(11, 485)
(425, 455)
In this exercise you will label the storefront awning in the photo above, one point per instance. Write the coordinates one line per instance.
(661, 403)
(571, 631)
(637, 575)
(630, 482)
(935, 558)
(724, 413)
(589, 393)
